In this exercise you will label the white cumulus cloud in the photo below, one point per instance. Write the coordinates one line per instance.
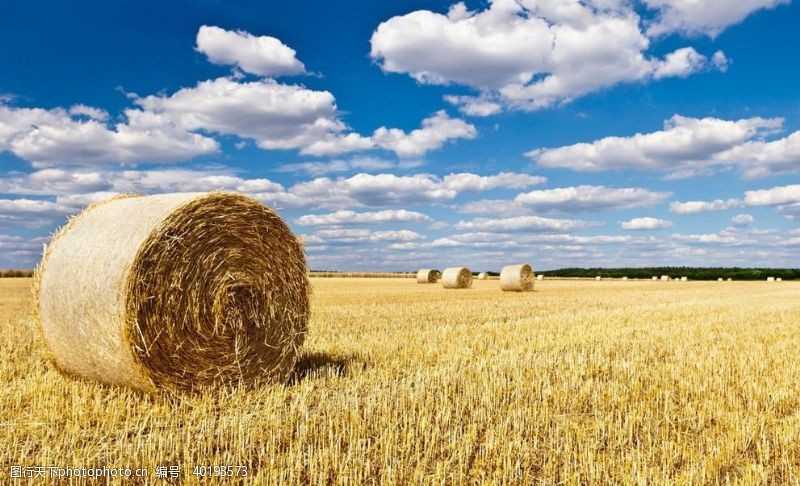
(703, 16)
(646, 223)
(694, 207)
(742, 219)
(343, 217)
(262, 55)
(685, 147)
(525, 54)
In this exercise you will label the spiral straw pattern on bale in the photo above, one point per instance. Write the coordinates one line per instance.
(457, 278)
(517, 278)
(427, 275)
(174, 292)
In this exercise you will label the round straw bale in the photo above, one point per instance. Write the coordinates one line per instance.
(174, 292)
(483, 276)
(457, 278)
(540, 277)
(517, 278)
(427, 275)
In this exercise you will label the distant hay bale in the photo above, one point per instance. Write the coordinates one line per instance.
(427, 275)
(598, 278)
(174, 292)
(665, 278)
(457, 278)
(483, 276)
(540, 277)
(719, 279)
(779, 279)
(655, 278)
(624, 278)
(518, 278)
(684, 279)
(770, 279)
(730, 279)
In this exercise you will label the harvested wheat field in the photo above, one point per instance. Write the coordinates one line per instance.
(630, 382)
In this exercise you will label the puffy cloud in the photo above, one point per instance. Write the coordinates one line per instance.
(525, 54)
(51, 137)
(686, 146)
(742, 219)
(681, 63)
(319, 168)
(281, 116)
(357, 236)
(174, 127)
(262, 55)
(774, 196)
(694, 207)
(531, 224)
(29, 212)
(474, 105)
(89, 111)
(276, 116)
(342, 217)
(360, 190)
(390, 189)
(703, 17)
(590, 198)
(436, 130)
(760, 158)
(646, 223)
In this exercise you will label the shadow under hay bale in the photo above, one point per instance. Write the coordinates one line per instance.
(317, 364)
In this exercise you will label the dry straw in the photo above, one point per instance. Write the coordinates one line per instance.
(517, 278)
(540, 277)
(483, 276)
(457, 278)
(174, 292)
(427, 275)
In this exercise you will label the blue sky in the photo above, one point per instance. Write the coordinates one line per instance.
(395, 135)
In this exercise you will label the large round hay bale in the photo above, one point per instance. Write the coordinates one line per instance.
(174, 292)
(517, 278)
(427, 275)
(457, 278)
(483, 276)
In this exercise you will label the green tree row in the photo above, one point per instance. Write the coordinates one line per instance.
(693, 273)
(15, 273)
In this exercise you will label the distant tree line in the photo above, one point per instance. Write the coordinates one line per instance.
(15, 273)
(693, 273)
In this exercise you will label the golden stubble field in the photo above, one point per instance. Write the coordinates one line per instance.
(578, 382)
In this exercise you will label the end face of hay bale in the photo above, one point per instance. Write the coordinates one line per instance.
(665, 278)
(457, 278)
(427, 275)
(175, 292)
(517, 278)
